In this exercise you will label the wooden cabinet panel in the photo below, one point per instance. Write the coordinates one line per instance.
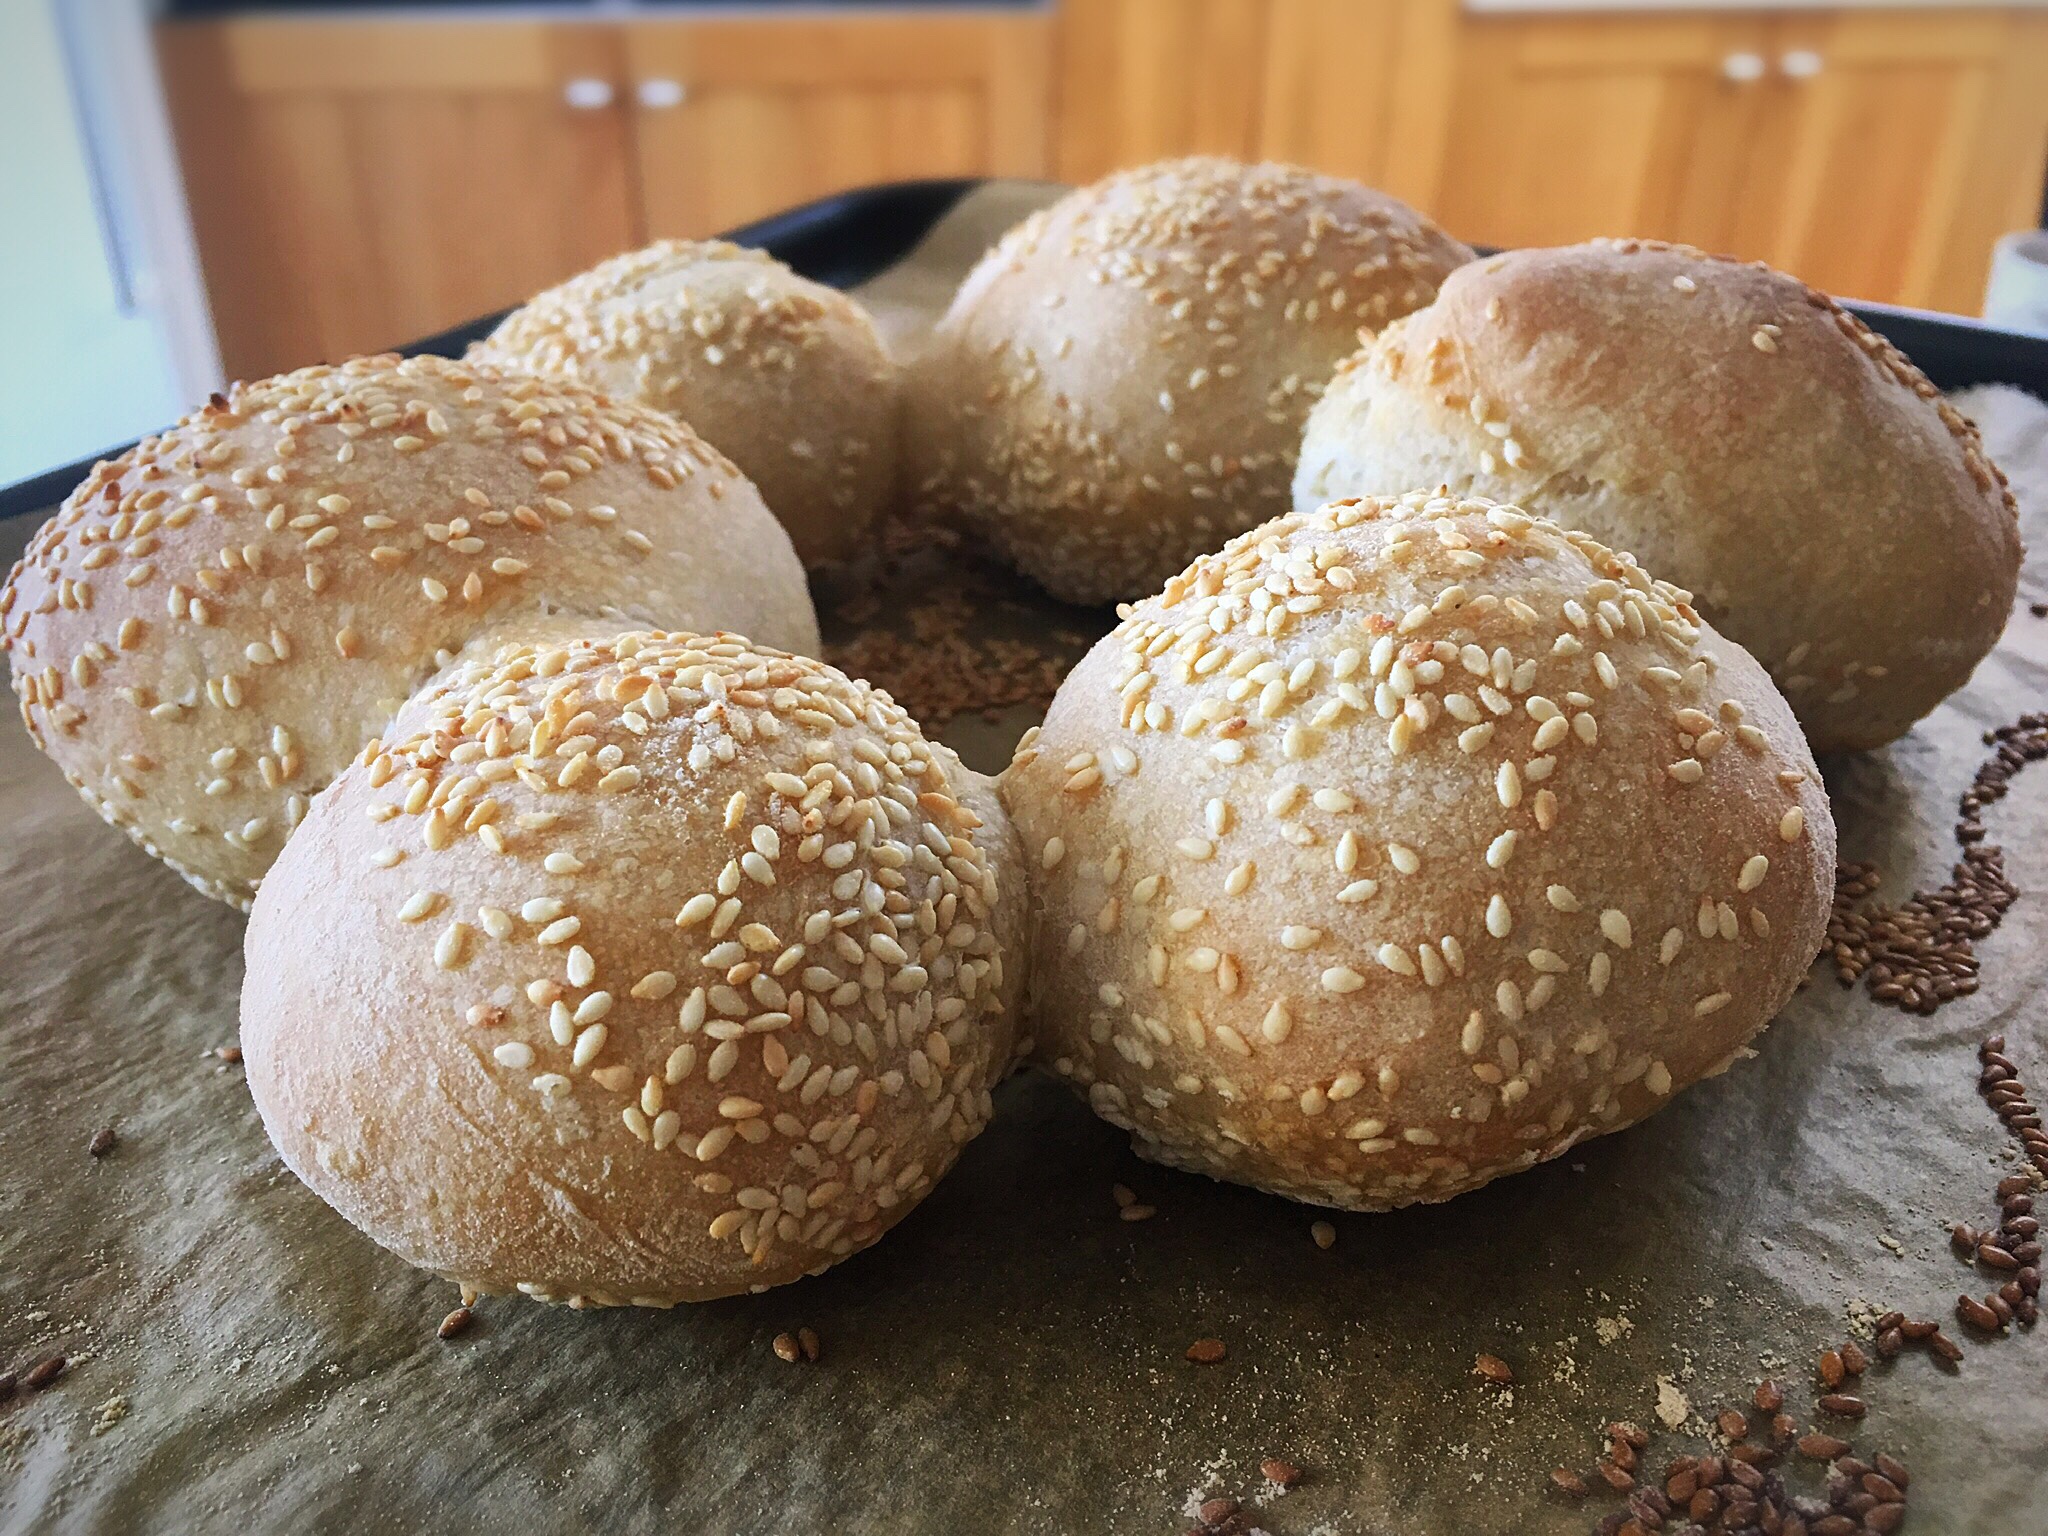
(774, 111)
(357, 184)
(1361, 88)
(1877, 154)
(1568, 127)
(1916, 140)
(1146, 79)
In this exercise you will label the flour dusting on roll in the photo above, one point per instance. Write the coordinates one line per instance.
(1403, 844)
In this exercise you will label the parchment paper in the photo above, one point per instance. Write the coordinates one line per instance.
(1011, 1358)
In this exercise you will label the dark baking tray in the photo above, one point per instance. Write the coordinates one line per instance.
(848, 237)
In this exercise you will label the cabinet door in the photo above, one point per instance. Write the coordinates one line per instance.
(1149, 79)
(1563, 128)
(355, 184)
(1912, 141)
(739, 117)
(1362, 88)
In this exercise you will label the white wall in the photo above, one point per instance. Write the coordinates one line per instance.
(76, 374)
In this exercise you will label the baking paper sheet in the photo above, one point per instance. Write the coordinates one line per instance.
(1011, 1358)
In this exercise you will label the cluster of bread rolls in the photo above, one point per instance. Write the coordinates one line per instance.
(605, 948)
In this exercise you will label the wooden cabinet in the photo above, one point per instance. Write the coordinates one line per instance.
(1568, 127)
(359, 181)
(1361, 88)
(1909, 142)
(739, 117)
(356, 182)
(1144, 79)
(356, 185)
(1877, 154)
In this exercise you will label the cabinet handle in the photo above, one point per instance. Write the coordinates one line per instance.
(1743, 67)
(660, 93)
(1800, 64)
(588, 93)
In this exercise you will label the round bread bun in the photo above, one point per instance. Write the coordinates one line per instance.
(1403, 844)
(721, 1005)
(215, 622)
(1120, 384)
(786, 376)
(1740, 433)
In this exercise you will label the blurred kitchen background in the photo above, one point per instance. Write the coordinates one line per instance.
(196, 191)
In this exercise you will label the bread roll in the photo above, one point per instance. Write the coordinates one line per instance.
(785, 375)
(1403, 844)
(1121, 383)
(1740, 433)
(216, 621)
(719, 1005)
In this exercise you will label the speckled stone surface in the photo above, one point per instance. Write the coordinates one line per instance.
(1011, 1358)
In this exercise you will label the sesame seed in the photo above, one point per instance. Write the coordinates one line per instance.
(1500, 921)
(451, 949)
(419, 906)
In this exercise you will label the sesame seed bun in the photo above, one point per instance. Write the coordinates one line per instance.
(1121, 383)
(725, 1005)
(1742, 434)
(1403, 844)
(786, 376)
(215, 622)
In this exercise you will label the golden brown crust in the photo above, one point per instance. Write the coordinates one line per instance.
(1071, 400)
(1738, 431)
(1403, 844)
(645, 969)
(215, 622)
(786, 376)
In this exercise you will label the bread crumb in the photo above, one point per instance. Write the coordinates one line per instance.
(1861, 1315)
(1612, 1328)
(1673, 1408)
(110, 1413)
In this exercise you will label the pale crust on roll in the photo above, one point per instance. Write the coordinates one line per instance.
(716, 1005)
(1402, 845)
(1738, 432)
(216, 621)
(786, 376)
(1120, 384)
